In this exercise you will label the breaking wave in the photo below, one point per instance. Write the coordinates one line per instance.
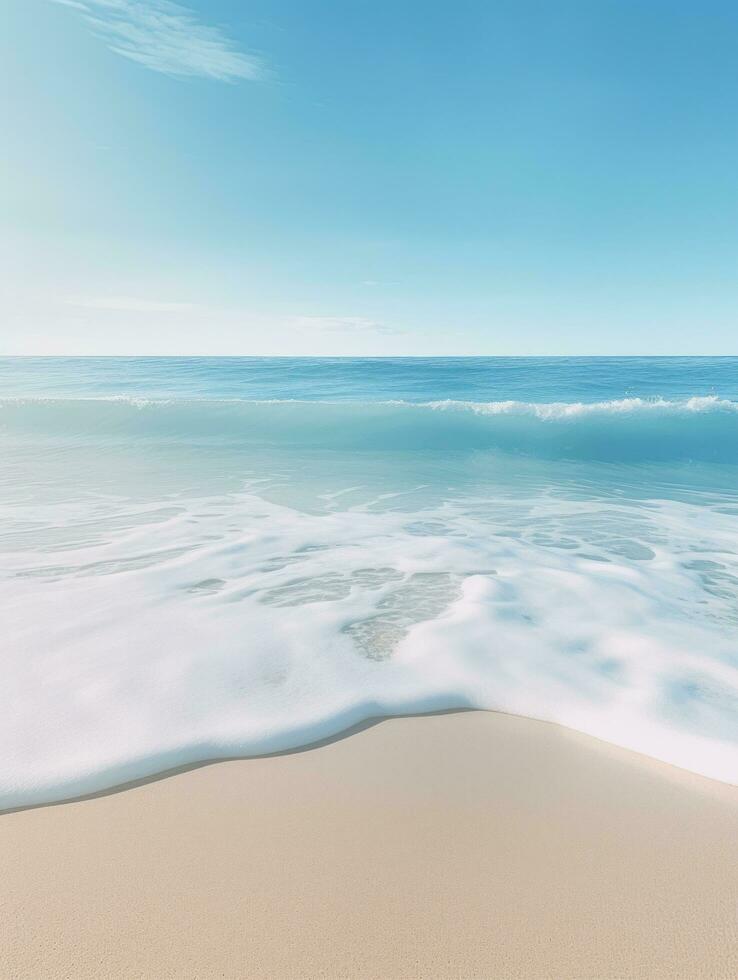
(631, 429)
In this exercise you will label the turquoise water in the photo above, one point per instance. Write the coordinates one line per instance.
(216, 557)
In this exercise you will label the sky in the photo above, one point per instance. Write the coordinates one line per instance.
(369, 177)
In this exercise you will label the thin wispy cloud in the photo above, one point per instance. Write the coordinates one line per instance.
(127, 304)
(167, 37)
(343, 324)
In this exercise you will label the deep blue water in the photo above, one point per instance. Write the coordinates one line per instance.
(479, 379)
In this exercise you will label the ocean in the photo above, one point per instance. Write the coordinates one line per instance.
(213, 557)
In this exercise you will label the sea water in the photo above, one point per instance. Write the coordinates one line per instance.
(204, 558)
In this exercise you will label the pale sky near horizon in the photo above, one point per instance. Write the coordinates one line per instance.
(369, 177)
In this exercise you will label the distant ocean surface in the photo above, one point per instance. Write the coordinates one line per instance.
(204, 558)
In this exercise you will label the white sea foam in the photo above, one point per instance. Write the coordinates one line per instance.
(194, 627)
(566, 410)
(191, 578)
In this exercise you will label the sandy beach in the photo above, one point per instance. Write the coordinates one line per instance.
(369, 490)
(458, 845)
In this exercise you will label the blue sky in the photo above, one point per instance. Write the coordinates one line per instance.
(369, 177)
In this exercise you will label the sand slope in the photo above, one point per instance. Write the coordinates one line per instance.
(460, 845)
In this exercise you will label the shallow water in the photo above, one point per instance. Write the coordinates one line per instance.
(213, 557)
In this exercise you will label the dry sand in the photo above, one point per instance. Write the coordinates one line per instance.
(461, 845)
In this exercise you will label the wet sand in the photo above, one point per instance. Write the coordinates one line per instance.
(460, 845)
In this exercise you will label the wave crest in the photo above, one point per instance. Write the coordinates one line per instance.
(630, 429)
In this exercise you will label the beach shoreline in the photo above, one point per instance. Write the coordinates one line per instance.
(666, 770)
(452, 845)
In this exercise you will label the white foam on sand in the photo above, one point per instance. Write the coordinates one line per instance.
(143, 636)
